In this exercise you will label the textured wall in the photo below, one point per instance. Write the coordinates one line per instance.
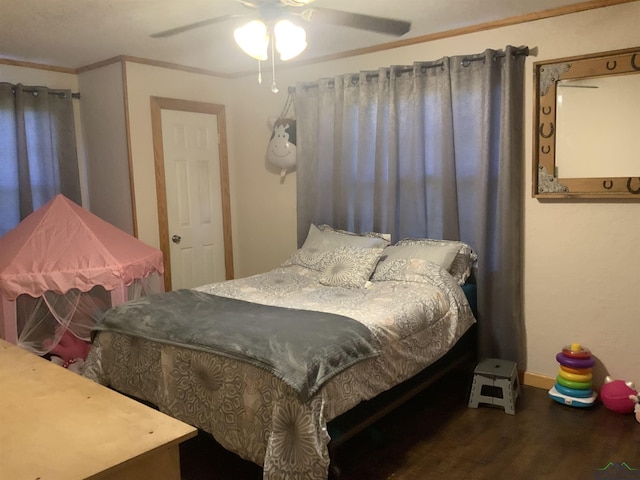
(580, 257)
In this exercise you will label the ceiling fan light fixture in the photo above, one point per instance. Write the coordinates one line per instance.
(253, 39)
(291, 40)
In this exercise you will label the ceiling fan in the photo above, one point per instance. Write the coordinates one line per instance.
(274, 22)
(270, 11)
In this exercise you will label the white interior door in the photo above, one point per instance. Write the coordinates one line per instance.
(194, 200)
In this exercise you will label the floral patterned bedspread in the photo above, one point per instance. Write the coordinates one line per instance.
(257, 415)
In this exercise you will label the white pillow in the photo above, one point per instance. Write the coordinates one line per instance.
(462, 264)
(324, 240)
(401, 262)
(327, 239)
(384, 236)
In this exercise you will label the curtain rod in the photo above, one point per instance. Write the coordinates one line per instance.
(59, 94)
(466, 61)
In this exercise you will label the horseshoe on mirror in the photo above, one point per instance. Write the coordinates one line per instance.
(607, 184)
(545, 149)
(633, 62)
(546, 110)
(551, 130)
(611, 65)
(632, 190)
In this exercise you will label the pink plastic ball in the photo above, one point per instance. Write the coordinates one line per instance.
(615, 396)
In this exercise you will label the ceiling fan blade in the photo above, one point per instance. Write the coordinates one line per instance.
(296, 3)
(388, 26)
(191, 26)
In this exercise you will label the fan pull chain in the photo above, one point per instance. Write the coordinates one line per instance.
(274, 88)
(259, 73)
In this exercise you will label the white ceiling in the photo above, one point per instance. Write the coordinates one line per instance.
(76, 33)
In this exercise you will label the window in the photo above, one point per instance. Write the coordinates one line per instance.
(38, 156)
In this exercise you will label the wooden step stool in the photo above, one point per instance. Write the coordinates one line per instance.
(500, 377)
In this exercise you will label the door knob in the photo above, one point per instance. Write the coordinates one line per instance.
(176, 239)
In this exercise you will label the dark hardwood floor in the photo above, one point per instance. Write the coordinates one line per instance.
(435, 436)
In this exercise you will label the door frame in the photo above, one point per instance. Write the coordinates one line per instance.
(162, 103)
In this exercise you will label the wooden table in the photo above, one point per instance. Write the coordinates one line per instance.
(58, 425)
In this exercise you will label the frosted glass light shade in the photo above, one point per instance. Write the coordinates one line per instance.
(253, 39)
(291, 40)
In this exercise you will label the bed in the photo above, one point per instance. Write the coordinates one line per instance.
(401, 308)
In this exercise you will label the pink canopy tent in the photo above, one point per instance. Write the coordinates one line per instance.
(62, 248)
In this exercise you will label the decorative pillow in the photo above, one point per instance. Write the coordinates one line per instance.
(463, 262)
(313, 259)
(402, 262)
(350, 267)
(324, 240)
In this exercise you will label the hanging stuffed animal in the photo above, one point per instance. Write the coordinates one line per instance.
(281, 150)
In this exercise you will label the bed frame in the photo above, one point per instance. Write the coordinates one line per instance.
(344, 427)
(463, 355)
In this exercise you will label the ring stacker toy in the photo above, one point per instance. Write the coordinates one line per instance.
(579, 371)
(575, 350)
(574, 385)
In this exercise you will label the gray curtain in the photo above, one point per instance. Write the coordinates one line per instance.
(38, 154)
(430, 150)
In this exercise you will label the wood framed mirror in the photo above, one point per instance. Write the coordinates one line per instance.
(586, 134)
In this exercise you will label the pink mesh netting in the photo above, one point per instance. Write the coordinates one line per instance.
(59, 264)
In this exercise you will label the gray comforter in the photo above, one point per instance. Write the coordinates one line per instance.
(304, 348)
